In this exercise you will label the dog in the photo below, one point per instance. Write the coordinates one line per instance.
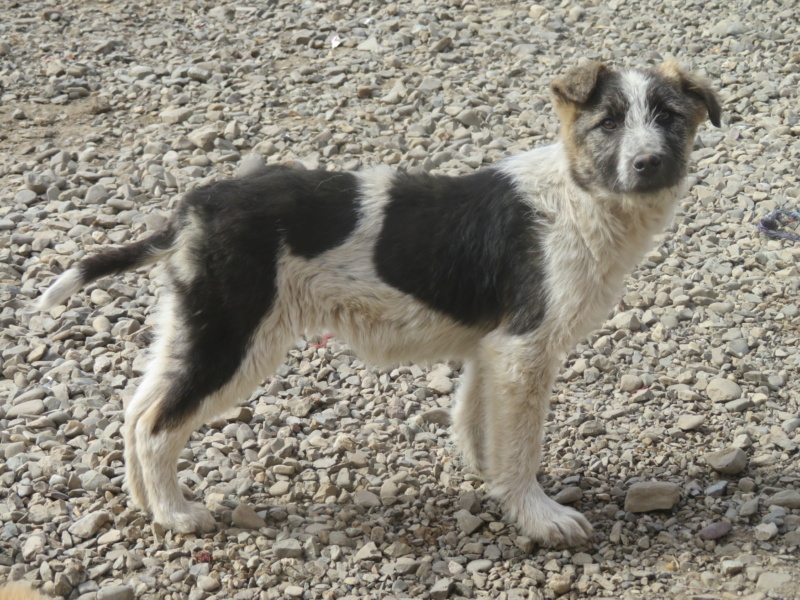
(504, 269)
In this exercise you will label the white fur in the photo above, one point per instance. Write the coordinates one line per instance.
(640, 134)
(67, 284)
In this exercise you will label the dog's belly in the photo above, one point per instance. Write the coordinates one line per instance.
(383, 325)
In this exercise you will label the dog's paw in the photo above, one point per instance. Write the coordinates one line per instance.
(192, 518)
(547, 522)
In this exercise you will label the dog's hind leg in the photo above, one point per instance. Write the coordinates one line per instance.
(199, 370)
(469, 416)
(521, 372)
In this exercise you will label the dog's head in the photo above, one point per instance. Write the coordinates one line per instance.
(631, 131)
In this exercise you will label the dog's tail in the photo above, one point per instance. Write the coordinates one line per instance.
(115, 260)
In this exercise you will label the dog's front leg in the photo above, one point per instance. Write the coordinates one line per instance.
(518, 376)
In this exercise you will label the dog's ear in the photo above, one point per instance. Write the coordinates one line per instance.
(697, 87)
(576, 85)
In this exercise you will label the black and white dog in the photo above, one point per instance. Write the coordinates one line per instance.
(504, 269)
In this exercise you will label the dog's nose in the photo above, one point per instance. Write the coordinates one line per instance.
(646, 163)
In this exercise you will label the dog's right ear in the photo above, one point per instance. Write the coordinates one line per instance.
(577, 84)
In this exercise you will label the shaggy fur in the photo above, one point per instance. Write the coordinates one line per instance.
(505, 269)
(19, 591)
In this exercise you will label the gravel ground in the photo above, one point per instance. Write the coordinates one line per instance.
(338, 480)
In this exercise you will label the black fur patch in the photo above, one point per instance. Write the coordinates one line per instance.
(467, 247)
(243, 224)
(124, 258)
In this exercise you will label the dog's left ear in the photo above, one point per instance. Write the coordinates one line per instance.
(697, 87)
(576, 85)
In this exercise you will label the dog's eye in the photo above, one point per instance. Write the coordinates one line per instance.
(664, 117)
(608, 124)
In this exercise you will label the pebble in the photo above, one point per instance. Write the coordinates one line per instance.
(715, 530)
(766, 531)
(646, 496)
(88, 525)
(690, 422)
(245, 517)
(568, 495)
(787, 498)
(730, 461)
(441, 385)
(467, 522)
(771, 580)
(287, 548)
(723, 390)
(116, 592)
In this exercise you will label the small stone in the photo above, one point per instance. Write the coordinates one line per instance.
(467, 522)
(116, 592)
(288, 548)
(279, 488)
(650, 495)
(366, 499)
(250, 165)
(630, 383)
(203, 138)
(626, 320)
(771, 580)
(715, 490)
(723, 390)
(245, 517)
(690, 422)
(715, 530)
(26, 196)
(436, 416)
(568, 495)
(480, 565)
(175, 115)
(97, 194)
(728, 460)
(786, 498)
(88, 525)
(766, 531)
(99, 105)
(469, 117)
(746, 484)
(368, 551)
(208, 583)
(470, 501)
(398, 549)
(441, 589)
(32, 547)
(592, 428)
(294, 591)
(740, 405)
(560, 583)
(93, 481)
(441, 384)
(29, 408)
(749, 508)
(731, 567)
